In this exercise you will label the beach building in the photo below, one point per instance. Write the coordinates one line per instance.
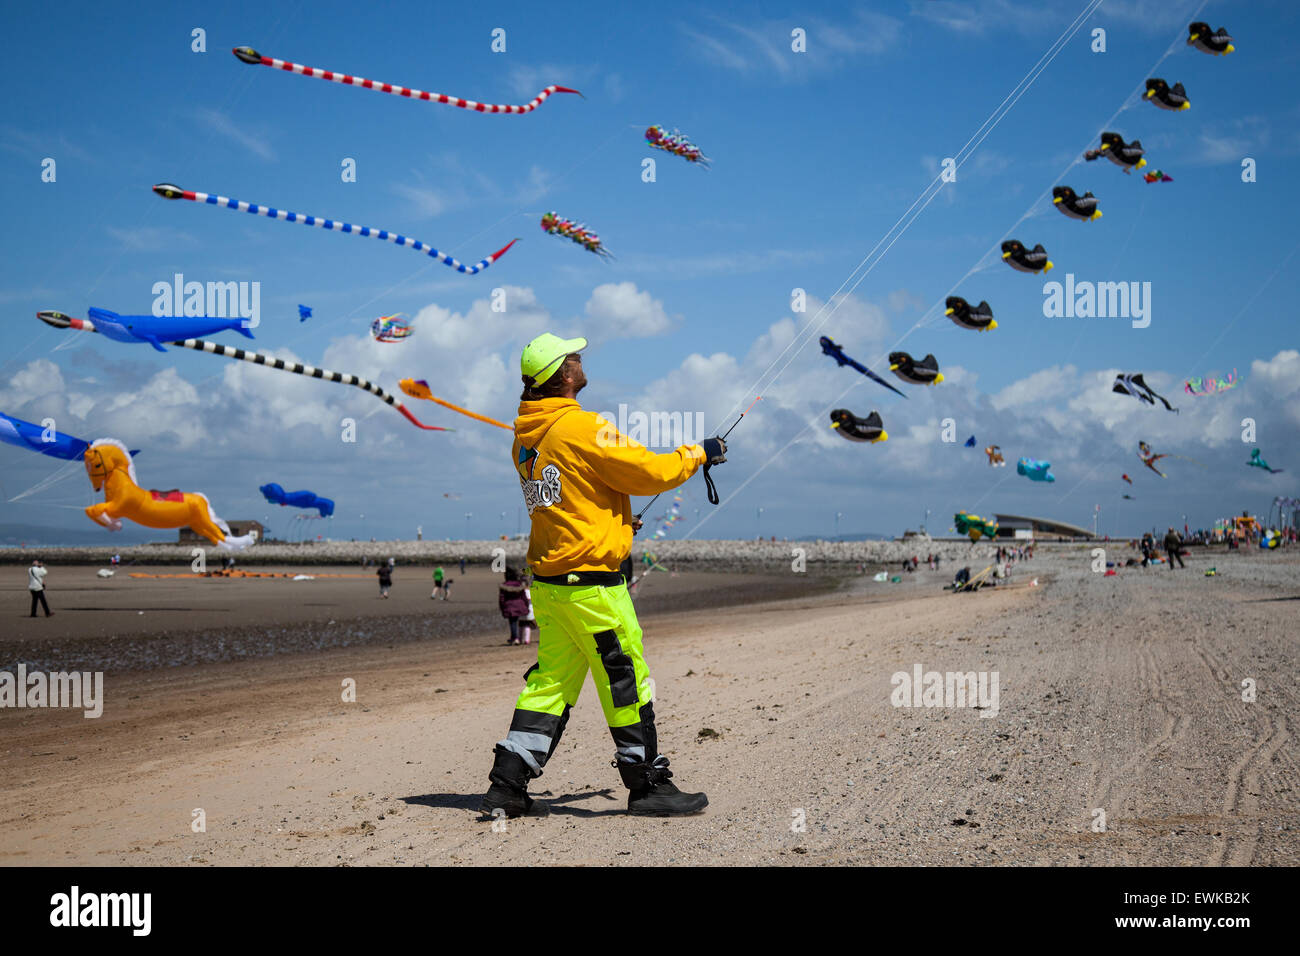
(1028, 527)
(237, 528)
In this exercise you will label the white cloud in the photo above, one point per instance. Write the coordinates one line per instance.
(620, 310)
(426, 203)
(220, 123)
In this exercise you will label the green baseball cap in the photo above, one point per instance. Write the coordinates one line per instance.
(545, 354)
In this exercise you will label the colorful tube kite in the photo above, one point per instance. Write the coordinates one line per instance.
(556, 225)
(252, 57)
(110, 469)
(420, 389)
(168, 191)
(677, 144)
(1210, 385)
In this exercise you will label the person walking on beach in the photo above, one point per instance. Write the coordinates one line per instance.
(385, 573)
(437, 583)
(462, 567)
(1174, 548)
(576, 472)
(36, 584)
(513, 603)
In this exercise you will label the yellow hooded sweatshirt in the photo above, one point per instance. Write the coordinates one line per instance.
(577, 471)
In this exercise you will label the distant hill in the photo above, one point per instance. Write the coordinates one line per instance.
(13, 535)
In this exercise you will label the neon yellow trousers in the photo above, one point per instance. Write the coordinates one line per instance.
(585, 629)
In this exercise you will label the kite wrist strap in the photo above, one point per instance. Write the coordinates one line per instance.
(709, 486)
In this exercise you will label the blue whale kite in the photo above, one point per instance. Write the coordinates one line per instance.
(297, 499)
(152, 329)
(15, 431)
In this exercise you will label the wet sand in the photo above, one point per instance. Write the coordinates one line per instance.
(1121, 695)
(173, 618)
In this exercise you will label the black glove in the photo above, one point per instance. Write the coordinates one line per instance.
(715, 450)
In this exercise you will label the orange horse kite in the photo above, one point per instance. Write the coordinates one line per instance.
(109, 465)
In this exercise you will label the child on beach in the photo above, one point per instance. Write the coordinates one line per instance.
(385, 574)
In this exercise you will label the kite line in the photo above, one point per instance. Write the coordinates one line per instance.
(967, 150)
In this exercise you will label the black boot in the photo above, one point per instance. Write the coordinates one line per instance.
(509, 790)
(653, 794)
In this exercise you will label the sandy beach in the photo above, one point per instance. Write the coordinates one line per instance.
(1119, 735)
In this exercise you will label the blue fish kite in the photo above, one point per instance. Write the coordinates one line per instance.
(154, 330)
(304, 313)
(297, 499)
(837, 352)
(1035, 470)
(47, 441)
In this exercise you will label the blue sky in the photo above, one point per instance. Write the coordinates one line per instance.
(815, 156)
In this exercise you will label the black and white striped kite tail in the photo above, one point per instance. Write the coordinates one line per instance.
(257, 358)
